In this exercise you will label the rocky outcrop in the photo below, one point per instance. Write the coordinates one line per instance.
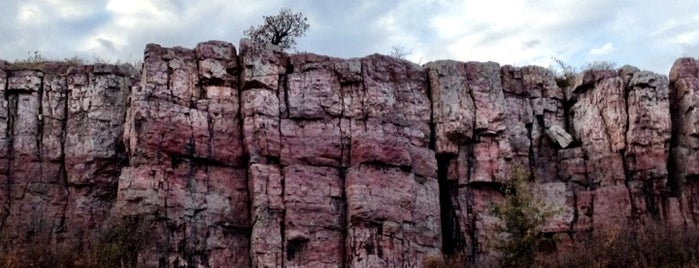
(684, 85)
(259, 158)
(61, 149)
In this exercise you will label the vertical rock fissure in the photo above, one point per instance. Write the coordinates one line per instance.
(11, 105)
(245, 155)
(281, 85)
(12, 102)
(282, 227)
(628, 183)
(673, 182)
(624, 161)
(346, 148)
(531, 154)
(40, 122)
(576, 215)
(452, 238)
(63, 172)
(344, 220)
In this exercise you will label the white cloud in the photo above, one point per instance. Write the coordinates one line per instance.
(648, 34)
(73, 9)
(604, 50)
(30, 14)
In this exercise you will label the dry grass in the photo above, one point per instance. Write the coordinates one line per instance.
(457, 261)
(36, 61)
(117, 245)
(651, 245)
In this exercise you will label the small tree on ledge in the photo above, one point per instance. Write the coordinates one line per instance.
(523, 214)
(280, 30)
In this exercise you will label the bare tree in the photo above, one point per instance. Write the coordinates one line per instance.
(399, 52)
(281, 29)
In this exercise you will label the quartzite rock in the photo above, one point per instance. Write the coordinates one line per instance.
(648, 140)
(453, 110)
(599, 119)
(266, 159)
(684, 98)
(186, 156)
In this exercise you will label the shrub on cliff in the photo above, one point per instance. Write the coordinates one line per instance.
(280, 30)
(522, 215)
(565, 73)
(399, 52)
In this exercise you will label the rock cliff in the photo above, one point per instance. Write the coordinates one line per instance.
(258, 158)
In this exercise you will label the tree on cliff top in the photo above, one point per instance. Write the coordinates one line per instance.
(281, 29)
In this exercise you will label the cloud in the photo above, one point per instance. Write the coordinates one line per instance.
(107, 44)
(531, 43)
(648, 34)
(604, 50)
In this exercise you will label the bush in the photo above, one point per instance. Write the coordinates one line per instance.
(522, 215)
(117, 245)
(565, 73)
(399, 52)
(650, 245)
(456, 261)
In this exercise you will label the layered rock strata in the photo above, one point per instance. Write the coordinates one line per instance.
(259, 158)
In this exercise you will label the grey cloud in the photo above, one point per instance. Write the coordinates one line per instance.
(109, 45)
(531, 43)
(353, 28)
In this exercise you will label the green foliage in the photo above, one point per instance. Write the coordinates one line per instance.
(281, 30)
(522, 216)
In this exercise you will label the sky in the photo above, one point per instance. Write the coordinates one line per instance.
(647, 34)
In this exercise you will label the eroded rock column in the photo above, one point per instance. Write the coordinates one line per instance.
(684, 97)
(186, 159)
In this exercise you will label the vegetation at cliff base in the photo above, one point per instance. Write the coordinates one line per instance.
(116, 245)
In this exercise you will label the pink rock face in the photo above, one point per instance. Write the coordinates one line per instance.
(52, 181)
(453, 110)
(684, 96)
(600, 122)
(265, 159)
(186, 155)
(314, 216)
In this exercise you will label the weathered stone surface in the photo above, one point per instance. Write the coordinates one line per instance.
(186, 154)
(453, 111)
(611, 207)
(600, 123)
(684, 94)
(311, 142)
(264, 159)
(559, 135)
(648, 140)
(314, 94)
(314, 219)
(559, 200)
(266, 190)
